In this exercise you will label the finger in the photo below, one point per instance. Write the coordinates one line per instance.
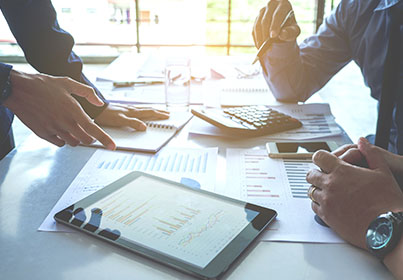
(341, 150)
(316, 208)
(68, 138)
(82, 90)
(325, 160)
(316, 178)
(279, 16)
(267, 19)
(55, 140)
(317, 196)
(148, 114)
(257, 29)
(133, 123)
(353, 156)
(81, 135)
(289, 33)
(95, 131)
(372, 155)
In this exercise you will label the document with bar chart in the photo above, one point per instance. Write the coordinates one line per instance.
(278, 184)
(195, 168)
(190, 226)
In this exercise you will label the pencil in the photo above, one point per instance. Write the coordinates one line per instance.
(269, 41)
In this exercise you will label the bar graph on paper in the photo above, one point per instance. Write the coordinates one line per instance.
(265, 180)
(296, 174)
(173, 162)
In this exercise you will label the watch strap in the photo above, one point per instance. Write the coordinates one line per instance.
(397, 219)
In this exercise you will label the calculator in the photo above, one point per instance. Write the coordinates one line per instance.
(248, 120)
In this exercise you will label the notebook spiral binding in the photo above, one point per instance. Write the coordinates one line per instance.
(158, 125)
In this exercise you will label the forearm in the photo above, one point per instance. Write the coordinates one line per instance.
(295, 72)
(46, 46)
(289, 76)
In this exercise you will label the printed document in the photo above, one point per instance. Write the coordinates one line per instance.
(195, 168)
(317, 122)
(280, 185)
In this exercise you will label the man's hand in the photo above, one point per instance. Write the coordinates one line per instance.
(351, 154)
(350, 197)
(45, 104)
(126, 115)
(268, 22)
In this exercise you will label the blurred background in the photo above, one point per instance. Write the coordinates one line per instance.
(103, 29)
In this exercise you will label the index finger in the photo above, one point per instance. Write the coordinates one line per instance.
(95, 131)
(341, 150)
(325, 160)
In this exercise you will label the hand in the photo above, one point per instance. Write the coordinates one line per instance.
(116, 115)
(45, 104)
(268, 22)
(351, 154)
(350, 197)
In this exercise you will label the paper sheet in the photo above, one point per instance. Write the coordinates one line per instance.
(280, 185)
(193, 167)
(317, 120)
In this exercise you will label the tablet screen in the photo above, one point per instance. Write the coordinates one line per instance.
(190, 226)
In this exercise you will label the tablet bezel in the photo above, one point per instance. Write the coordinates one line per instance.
(216, 267)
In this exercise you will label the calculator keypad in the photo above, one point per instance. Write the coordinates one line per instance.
(261, 118)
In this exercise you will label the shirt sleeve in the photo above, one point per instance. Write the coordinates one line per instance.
(4, 77)
(46, 46)
(294, 72)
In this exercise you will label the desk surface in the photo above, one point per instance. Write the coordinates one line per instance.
(35, 175)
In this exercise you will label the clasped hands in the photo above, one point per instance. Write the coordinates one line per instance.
(348, 196)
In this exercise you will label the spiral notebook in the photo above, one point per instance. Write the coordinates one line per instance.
(158, 133)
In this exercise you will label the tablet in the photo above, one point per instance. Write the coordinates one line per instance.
(192, 230)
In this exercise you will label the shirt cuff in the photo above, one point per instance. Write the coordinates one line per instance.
(281, 50)
(5, 83)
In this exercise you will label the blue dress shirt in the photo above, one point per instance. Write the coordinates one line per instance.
(356, 30)
(46, 46)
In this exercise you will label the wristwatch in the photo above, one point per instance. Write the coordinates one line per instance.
(384, 234)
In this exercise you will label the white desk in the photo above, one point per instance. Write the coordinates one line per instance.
(35, 175)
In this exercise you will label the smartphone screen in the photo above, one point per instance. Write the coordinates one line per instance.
(307, 147)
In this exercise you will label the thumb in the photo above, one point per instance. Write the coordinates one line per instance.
(289, 33)
(372, 155)
(82, 90)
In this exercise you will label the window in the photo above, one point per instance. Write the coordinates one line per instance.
(102, 28)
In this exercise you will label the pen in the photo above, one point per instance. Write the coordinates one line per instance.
(133, 83)
(265, 46)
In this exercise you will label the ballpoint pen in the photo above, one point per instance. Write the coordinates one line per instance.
(269, 41)
(133, 83)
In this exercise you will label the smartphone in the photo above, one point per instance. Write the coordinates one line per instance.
(298, 149)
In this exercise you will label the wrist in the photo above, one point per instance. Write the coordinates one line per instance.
(384, 234)
(394, 259)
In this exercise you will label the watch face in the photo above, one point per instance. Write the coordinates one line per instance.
(379, 233)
